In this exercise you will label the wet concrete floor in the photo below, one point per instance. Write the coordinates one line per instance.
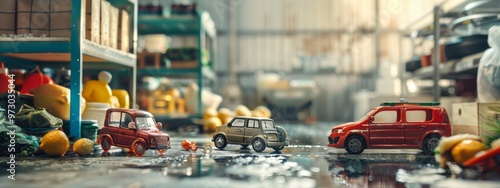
(307, 162)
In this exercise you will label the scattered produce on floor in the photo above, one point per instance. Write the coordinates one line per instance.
(83, 146)
(55, 143)
(188, 145)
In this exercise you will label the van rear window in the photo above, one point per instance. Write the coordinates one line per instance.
(424, 115)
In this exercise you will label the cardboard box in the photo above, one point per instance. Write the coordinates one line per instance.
(146, 59)
(7, 17)
(475, 118)
(93, 20)
(105, 21)
(113, 31)
(51, 18)
(183, 64)
(124, 31)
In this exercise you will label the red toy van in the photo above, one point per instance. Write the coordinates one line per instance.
(394, 125)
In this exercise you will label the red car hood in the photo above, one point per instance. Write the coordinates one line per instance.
(155, 133)
(343, 125)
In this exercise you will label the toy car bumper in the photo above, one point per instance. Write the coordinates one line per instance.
(336, 140)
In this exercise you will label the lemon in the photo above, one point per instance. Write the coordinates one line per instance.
(226, 120)
(209, 112)
(83, 146)
(466, 149)
(257, 113)
(55, 143)
(224, 113)
(242, 110)
(212, 123)
(264, 110)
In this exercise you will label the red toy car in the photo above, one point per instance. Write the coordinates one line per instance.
(134, 129)
(394, 125)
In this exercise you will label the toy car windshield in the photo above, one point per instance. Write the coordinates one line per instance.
(146, 123)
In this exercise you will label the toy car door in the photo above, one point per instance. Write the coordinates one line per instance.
(236, 130)
(386, 127)
(252, 129)
(125, 135)
(418, 122)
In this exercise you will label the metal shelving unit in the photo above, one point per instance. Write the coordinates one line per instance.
(198, 24)
(443, 12)
(28, 52)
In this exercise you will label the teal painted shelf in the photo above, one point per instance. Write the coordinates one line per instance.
(205, 71)
(74, 52)
(56, 53)
(176, 24)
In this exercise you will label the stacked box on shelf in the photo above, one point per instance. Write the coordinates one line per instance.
(124, 31)
(182, 58)
(113, 27)
(105, 22)
(44, 17)
(147, 59)
(93, 20)
(7, 17)
(478, 118)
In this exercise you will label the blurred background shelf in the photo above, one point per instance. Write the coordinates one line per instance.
(199, 70)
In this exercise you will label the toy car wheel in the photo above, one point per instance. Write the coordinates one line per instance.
(105, 143)
(220, 141)
(430, 143)
(258, 145)
(354, 145)
(278, 148)
(139, 148)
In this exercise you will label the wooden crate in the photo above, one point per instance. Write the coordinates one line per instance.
(44, 18)
(7, 17)
(105, 22)
(113, 27)
(124, 31)
(474, 118)
(183, 64)
(146, 59)
(93, 20)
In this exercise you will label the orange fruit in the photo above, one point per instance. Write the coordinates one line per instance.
(466, 149)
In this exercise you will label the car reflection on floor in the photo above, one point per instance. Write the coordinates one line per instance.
(376, 170)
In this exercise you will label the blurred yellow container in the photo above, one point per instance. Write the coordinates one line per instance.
(123, 97)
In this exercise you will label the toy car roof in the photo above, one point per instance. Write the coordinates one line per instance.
(250, 117)
(410, 104)
(134, 112)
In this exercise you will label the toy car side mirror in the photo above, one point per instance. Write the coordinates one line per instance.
(370, 119)
(159, 126)
(131, 125)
